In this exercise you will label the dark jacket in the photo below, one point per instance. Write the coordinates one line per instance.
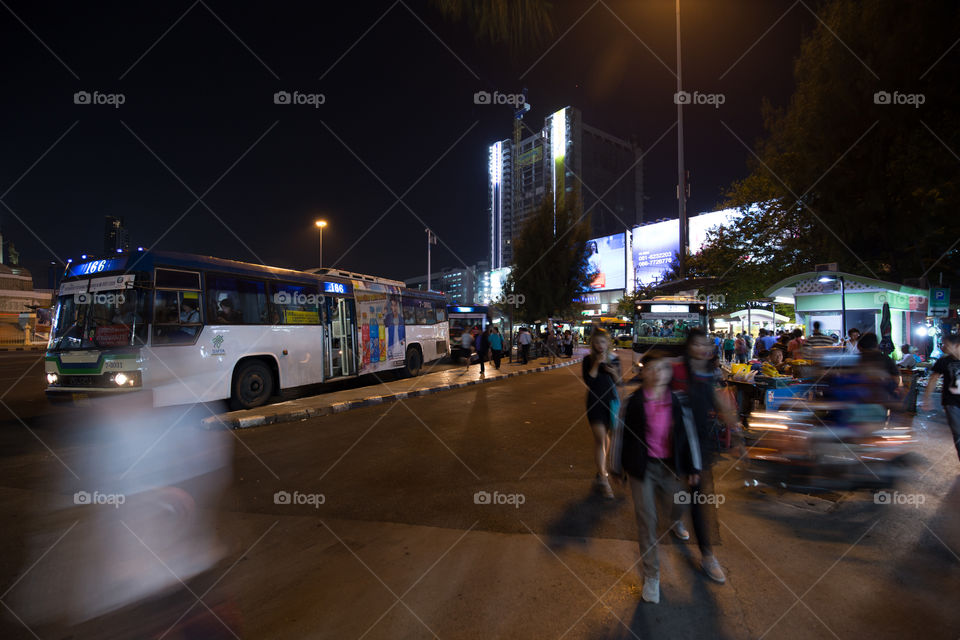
(629, 449)
(481, 343)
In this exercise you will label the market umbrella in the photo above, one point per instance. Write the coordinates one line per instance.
(886, 343)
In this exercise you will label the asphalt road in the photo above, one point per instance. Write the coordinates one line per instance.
(393, 544)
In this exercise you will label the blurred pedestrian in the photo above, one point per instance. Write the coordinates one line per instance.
(466, 345)
(740, 348)
(496, 347)
(698, 381)
(907, 361)
(948, 368)
(567, 344)
(796, 344)
(552, 343)
(603, 402)
(819, 339)
(524, 340)
(658, 444)
(482, 344)
(729, 344)
(850, 345)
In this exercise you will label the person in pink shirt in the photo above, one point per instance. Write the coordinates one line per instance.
(656, 446)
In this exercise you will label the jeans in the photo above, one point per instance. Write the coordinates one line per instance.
(703, 514)
(658, 479)
(953, 419)
(524, 353)
(497, 354)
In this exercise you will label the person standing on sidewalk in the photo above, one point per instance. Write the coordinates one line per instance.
(524, 339)
(948, 368)
(482, 344)
(696, 379)
(466, 345)
(728, 348)
(552, 343)
(496, 346)
(658, 444)
(601, 375)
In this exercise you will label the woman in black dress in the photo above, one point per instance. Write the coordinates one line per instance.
(600, 374)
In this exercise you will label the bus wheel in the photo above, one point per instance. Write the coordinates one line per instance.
(252, 385)
(414, 362)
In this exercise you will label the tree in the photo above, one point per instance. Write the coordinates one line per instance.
(856, 170)
(516, 23)
(550, 261)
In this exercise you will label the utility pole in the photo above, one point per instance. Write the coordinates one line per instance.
(431, 239)
(681, 172)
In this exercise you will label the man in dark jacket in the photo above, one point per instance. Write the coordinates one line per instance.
(482, 345)
(657, 444)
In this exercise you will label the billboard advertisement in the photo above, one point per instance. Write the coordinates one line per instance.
(699, 225)
(653, 248)
(608, 256)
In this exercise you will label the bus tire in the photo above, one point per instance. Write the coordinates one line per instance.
(252, 385)
(413, 363)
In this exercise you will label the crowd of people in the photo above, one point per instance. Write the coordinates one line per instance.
(489, 345)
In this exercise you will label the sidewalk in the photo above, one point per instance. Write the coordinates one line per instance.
(347, 399)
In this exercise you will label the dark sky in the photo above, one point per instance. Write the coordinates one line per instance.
(199, 115)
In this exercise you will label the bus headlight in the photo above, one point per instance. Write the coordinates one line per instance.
(121, 379)
(52, 378)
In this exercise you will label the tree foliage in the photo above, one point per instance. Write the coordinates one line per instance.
(551, 264)
(515, 23)
(841, 175)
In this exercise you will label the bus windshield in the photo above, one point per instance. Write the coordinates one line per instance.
(99, 320)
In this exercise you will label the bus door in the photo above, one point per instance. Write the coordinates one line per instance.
(340, 337)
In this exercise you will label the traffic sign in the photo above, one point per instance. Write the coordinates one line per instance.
(939, 302)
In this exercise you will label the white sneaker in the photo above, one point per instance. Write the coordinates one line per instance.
(681, 531)
(712, 568)
(651, 590)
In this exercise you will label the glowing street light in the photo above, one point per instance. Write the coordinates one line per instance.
(320, 224)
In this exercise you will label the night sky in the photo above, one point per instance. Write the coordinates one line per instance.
(399, 119)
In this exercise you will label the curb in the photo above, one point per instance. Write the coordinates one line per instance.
(37, 349)
(298, 414)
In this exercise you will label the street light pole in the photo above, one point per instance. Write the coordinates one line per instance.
(681, 172)
(320, 224)
(431, 239)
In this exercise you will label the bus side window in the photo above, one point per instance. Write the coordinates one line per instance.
(177, 317)
(294, 303)
(420, 313)
(409, 311)
(441, 311)
(236, 301)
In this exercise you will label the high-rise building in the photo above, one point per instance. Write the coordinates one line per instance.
(461, 285)
(564, 156)
(115, 235)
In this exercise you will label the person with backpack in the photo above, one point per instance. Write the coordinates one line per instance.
(740, 348)
(656, 446)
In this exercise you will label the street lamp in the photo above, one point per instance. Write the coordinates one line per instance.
(824, 279)
(320, 224)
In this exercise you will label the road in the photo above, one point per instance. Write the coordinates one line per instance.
(399, 547)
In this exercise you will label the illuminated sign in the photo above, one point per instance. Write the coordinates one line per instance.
(463, 309)
(336, 287)
(97, 266)
(608, 261)
(669, 308)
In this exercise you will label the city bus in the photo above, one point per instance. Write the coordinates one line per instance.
(663, 322)
(188, 328)
(621, 331)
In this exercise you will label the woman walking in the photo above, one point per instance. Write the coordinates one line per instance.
(696, 377)
(657, 445)
(496, 346)
(601, 374)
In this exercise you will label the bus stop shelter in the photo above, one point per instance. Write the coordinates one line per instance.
(842, 301)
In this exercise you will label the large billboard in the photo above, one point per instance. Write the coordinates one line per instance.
(699, 225)
(608, 256)
(653, 248)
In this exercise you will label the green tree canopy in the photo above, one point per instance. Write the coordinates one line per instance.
(846, 174)
(550, 261)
